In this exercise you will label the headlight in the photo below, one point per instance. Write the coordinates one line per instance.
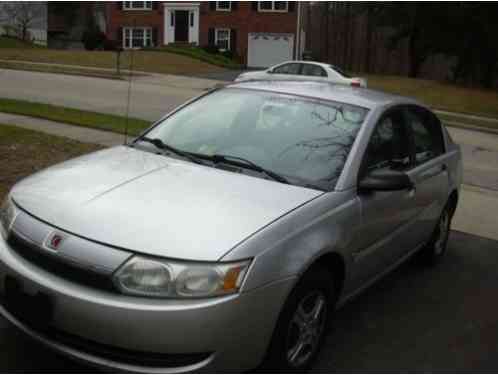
(8, 213)
(149, 277)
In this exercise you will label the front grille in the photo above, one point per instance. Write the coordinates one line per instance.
(117, 354)
(58, 267)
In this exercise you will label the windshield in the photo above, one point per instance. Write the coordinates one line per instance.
(304, 140)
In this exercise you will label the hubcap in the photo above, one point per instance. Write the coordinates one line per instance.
(306, 328)
(443, 231)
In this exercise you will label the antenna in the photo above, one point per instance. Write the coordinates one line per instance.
(130, 76)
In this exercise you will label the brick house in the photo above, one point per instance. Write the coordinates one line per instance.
(261, 33)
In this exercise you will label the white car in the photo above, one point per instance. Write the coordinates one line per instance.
(306, 71)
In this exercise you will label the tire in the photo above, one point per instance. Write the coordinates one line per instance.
(314, 294)
(435, 249)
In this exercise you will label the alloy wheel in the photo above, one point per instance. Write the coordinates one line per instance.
(443, 232)
(306, 328)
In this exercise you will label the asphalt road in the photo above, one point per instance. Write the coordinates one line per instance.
(417, 319)
(151, 96)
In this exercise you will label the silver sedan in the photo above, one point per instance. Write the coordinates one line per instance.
(224, 237)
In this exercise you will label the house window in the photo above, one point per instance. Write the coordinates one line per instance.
(273, 6)
(225, 6)
(222, 39)
(137, 5)
(137, 37)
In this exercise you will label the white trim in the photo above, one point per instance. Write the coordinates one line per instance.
(273, 10)
(228, 40)
(146, 5)
(169, 31)
(144, 40)
(218, 9)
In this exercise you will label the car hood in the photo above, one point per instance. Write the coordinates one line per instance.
(153, 204)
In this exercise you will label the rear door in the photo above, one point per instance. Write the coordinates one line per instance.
(388, 217)
(312, 72)
(286, 71)
(430, 172)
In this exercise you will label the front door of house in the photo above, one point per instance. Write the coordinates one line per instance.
(181, 25)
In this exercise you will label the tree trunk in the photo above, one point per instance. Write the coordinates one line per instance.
(327, 31)
(488, 74)
(24, 32)
(345, 34)
(369, 31)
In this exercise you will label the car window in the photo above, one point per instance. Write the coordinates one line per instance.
(307, 141)
(340, 71)
(313, 70)
(427, 134)
(292, 68)
(389, 145)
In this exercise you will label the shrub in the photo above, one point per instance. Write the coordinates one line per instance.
(211, 48)
(110, 45)
(93, 39)
(228, 54)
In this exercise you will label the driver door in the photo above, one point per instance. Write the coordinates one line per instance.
(386, 216)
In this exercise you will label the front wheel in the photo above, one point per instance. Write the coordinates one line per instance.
(302, 323)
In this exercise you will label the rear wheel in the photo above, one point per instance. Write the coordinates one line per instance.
(436, 248)
(302, 323)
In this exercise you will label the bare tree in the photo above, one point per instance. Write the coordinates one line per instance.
(22, 15)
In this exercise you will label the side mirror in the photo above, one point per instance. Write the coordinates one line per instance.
(385, 180)
(270, 71)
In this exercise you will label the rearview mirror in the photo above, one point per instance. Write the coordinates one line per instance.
(385, 180)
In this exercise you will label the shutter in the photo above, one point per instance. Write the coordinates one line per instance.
(154, 37)
(154, 5)
(234, 5)
(211, 37)
(291, 5)
(212, 5)
(120, 5)
(233, 40)
(254, 5)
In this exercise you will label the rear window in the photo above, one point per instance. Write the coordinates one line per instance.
(340, 71)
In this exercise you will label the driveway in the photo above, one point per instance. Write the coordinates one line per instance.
(417, 319)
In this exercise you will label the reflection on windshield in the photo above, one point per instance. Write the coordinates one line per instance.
(301, 139)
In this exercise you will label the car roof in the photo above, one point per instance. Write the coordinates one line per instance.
(305, 62)
(362, 97)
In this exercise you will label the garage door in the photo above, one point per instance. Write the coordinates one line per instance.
(265, 50)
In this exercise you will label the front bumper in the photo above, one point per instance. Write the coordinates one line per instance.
(124, 333)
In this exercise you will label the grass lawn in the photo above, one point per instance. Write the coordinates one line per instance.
(33, 67)
(202, 55)
(147, 61)
(24, 152)
(440, 95)
(7, 42)
(73, 116)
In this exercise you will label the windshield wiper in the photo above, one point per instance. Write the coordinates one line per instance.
(245, 163)
(163, 146)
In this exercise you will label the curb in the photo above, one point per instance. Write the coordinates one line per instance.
(481, 129)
